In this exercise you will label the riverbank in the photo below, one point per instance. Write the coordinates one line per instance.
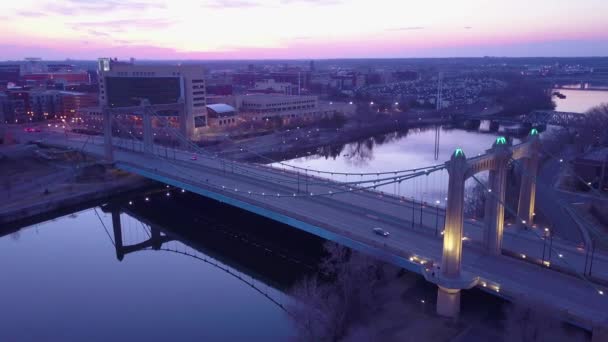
(37, 182)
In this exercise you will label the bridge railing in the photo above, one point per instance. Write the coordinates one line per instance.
(558, 254)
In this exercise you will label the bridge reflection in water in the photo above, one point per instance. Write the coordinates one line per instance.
(259, 261)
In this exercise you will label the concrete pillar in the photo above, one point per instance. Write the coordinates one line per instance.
(453, 228)
(155, 238)
(448, 302)
(117, 227)
(527, 191)
(495, 198)
(107, 135)
(148, 133)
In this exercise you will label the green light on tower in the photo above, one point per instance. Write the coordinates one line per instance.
(534, 131)
(459, 152)
(501, 141)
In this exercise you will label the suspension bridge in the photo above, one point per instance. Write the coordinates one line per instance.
(519, 263)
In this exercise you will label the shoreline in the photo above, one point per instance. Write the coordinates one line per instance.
(42, 210)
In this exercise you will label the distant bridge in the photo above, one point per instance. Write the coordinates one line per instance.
(534, 118)
(551, 117)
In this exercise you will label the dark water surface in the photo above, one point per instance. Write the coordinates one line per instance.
(63, 281)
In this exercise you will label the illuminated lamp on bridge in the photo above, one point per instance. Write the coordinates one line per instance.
(459, 152)
(501, 141)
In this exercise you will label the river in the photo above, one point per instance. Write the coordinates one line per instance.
(580, 101)
(220, 274)
(64, 281)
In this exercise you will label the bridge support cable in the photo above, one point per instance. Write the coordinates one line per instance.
(327, 182)
(197, 148)
(329, 193)
(250, 169)
(104, 227)
(228, 270)
(185, 250)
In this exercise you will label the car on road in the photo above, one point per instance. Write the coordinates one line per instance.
(380, 231)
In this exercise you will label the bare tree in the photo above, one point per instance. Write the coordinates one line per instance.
(553, 142)
(595, 129)
(531, 321)
(475, 201)
(344, 296)
(310, 311)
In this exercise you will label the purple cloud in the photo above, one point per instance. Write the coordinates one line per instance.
(32, 14)
(250, 3)
(97, 33)
(71, 7)
(408, 28)
(230, 4)
(117, 26)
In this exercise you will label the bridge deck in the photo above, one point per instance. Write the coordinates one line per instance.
(348, 218)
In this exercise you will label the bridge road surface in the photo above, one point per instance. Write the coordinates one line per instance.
(348, 218)
(388, 210)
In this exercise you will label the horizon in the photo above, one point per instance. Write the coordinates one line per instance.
(299, 59)
(323, 29)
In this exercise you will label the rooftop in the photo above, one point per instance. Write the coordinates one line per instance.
(221, 109)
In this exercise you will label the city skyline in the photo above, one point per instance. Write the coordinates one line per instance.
(285, 29)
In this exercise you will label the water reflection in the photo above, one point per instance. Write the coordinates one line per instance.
(407, 149)
(175, 267)
(579, 101)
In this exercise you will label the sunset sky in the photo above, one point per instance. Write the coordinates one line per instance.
(248, 29)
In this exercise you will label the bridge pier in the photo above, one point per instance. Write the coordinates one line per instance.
(117, 228)
(448, 299)
(148, 134)
(155, 238)
(448, 302)
(107, 135)
(495, 198)
(527, 191)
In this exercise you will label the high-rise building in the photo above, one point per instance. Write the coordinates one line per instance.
(125, 84)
